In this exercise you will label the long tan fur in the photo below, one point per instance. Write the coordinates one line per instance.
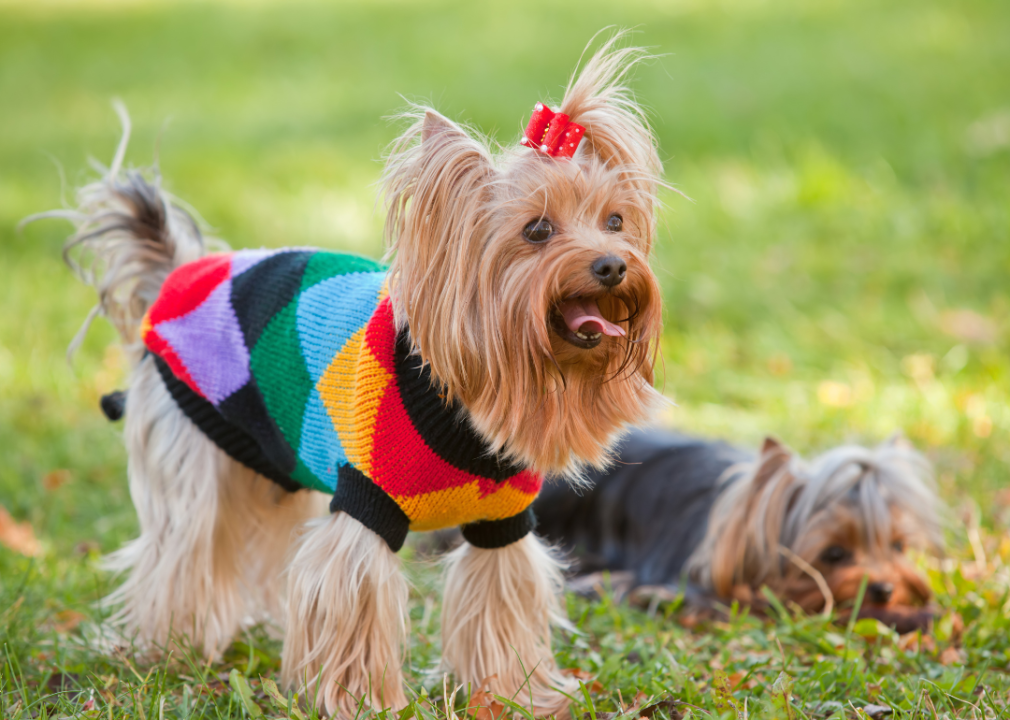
(871, 501)
(211, 532)
(497, 615)
(347, 616)
(478, 299)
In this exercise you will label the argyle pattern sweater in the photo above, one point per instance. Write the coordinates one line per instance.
(290, 361)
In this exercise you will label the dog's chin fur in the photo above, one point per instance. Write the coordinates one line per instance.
(480, 300)
(873, 503)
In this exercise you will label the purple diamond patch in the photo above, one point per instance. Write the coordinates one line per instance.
(209, 342)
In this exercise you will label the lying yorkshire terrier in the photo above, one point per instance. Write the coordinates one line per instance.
(711, 519)
(512, 337)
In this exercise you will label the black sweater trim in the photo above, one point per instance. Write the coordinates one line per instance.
(369, 504)
(233, 440)
(444, 427)
(493, 534)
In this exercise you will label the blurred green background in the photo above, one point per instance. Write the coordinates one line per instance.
(839, 272)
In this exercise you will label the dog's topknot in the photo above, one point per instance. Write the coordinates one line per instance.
(617, 129)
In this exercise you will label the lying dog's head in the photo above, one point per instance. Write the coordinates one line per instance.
(524, 278)
(803, 528)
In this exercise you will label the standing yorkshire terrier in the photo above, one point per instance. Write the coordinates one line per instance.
(511, 337)
(677, 508)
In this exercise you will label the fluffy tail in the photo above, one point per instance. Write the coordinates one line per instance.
(130, 234)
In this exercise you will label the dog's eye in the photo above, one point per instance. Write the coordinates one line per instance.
(538, 231)
(834, 554)
(614, 223)
(898, 546)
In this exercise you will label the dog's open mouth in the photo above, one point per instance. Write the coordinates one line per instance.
(580, 322)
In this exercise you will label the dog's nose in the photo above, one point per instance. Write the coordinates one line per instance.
(610, 270)
(880, 592)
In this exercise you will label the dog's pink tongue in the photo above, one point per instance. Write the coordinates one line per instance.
(583, 315)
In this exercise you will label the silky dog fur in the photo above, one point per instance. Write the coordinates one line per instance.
(718, 522)
(482, 307)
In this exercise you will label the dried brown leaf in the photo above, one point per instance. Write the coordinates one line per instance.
(951, 656)
(483, 704)
(914, 642)
(56, 479)
(19, 537)
(67, 621)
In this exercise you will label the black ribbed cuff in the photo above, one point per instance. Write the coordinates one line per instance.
(369, 504)
(491, 534)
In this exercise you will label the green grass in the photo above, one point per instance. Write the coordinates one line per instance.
(840, 272)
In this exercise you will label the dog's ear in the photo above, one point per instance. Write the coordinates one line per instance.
(745, 526)
(436, 182)
(434, 125)
(899, 441)
(773, 458)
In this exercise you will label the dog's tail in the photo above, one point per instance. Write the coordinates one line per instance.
(130, 234)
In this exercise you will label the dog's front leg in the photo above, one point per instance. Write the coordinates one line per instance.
(346, 618)
(497, 615)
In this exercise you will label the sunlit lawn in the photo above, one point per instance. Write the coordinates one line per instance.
(839, 272)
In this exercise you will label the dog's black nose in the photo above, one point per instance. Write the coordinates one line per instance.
(879, 592)
(610, 270)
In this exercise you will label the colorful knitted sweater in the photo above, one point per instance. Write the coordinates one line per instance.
(290, 361)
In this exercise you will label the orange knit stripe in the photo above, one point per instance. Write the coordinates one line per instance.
(461, 505)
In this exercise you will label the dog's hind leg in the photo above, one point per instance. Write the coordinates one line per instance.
(347, 616)
(265, 521)
(183, 572)
(497, 614)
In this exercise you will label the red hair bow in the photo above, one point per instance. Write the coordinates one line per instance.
(551, 133)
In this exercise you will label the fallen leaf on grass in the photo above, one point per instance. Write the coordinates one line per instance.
(877, 711)
(280, 700)
(55, 479)
(951, 656)
(67, 621)
(240, 687)
(19, 537)
(913, 642)
(735, 679)
(585, 676)
(483, 705)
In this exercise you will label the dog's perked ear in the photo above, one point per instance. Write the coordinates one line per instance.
(436, 184)
(746, 524)
(774, 456)
(899, 441)
(434, 125)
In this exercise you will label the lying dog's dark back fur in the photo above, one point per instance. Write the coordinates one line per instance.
(647, 516)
